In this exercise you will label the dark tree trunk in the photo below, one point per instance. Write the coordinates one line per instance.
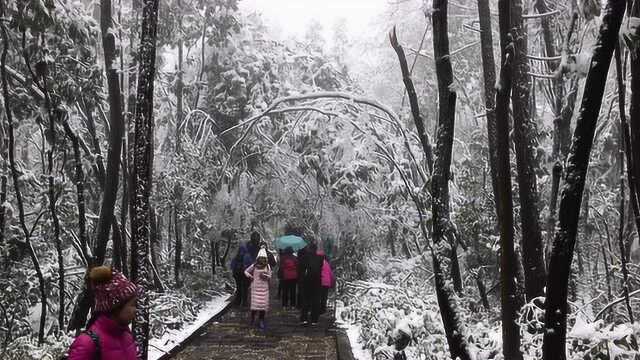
(153, 248)
(607, 273)
(442, 247)
(489, 76)
(558, 95)
(91, 127)
(178, 188)
(196, 97)
(213, 251)
(574, 180)
(413, 100)
(633, 149)
(16, 185)
(223, 260)
(143, 170)
(623, 145)
(391, 239)
(79, 180)
(510, 298)
(56, 230)
(178, 249)
(562, 115)
(119, 248)
(3, 199)
(124, 206)
(52, 139)
(482, 290)
(217, 253)
(116, 123)
(524, 133)
(456, 273)
(132, 83)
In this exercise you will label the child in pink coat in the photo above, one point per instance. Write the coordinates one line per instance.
(259, 273)
(108, 336)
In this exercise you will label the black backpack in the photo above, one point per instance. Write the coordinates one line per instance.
(96, 341)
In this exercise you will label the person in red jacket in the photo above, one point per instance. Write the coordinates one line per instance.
(289, 274)
(108, 336)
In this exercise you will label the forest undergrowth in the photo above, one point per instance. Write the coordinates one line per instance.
(398, 296)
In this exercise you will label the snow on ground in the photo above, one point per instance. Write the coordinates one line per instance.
(173, 338)
(357, 349)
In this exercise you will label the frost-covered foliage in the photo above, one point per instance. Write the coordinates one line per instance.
(398, 296)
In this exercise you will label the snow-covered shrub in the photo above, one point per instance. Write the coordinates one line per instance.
(171, 310)
(26, 348)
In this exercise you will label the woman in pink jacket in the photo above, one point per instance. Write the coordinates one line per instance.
(108, 336)
(327, 280)
(260, 274)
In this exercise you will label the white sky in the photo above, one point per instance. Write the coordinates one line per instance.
(291, 17)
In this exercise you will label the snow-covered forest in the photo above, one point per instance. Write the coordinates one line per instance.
(470, 167)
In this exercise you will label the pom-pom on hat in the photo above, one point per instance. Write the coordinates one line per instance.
(110, 288)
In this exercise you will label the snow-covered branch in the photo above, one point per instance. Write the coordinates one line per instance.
(539, 16)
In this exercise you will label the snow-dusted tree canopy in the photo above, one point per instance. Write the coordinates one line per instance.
(471, 168)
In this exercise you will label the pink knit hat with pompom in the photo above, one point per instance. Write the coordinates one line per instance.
(111, 288)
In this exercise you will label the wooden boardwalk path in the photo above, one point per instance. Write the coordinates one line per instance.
(231, 337)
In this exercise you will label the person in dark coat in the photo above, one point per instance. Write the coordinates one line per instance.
(288, 277)
(237, 268)
(301, 260)
(253, 246)
(310, 275)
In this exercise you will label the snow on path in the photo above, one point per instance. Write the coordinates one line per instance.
(173, 338)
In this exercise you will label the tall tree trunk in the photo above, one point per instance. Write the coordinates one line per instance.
(16, 185)
(79, 181)
(441, 253)
(51, 194)
(179, 127)
(482, 290)
(116, 123)
(91, 127)
(623, 143)
(119, 247)
(124, 205)
(153, 248)
(56, 229)
(633, 148)
(3, 199)
(109, 197)
(196, 97)
(489, 76)
(178, 249)
(562, 115)
(524, 133)
(574, 180)
(143, 170)
(510, 297)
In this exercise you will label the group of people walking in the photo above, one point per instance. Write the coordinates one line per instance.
(304, 282)
(305, 279)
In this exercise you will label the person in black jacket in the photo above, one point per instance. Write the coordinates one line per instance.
(309, 274)
(301, 255)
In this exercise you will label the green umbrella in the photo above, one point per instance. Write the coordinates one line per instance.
(293, 241)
